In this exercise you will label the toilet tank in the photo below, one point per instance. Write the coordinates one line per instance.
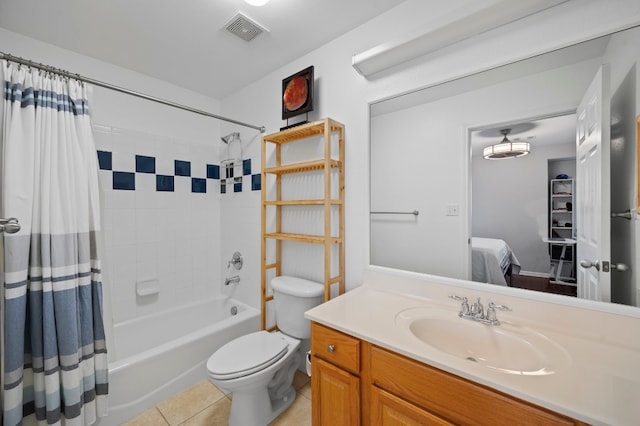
(292, 297)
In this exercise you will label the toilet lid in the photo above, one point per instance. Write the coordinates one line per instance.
(246, 355)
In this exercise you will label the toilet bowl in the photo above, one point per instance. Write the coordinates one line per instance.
(258, 368)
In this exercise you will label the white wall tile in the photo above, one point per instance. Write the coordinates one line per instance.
(184, 272)
(102, 138)
(146, 196)
(165, 165)
(119, 199)
(124, 226)
(123, 274)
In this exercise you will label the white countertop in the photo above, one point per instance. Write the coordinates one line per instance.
(601, 386)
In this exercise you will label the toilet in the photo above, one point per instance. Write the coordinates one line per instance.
(258, 368)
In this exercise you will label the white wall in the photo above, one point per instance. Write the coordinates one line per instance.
(170, 236)
(344, 95)
(511, 202)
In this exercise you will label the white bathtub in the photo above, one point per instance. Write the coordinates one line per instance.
(160, 355)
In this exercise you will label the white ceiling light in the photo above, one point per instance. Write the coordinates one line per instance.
(257, 2)
(483, 18)
(506, 148)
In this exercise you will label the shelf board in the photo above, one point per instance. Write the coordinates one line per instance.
(562, 195)
(317, 202)
(302, 238)
(303, 131)
(562, 227)
(306, 166)
(561, 211)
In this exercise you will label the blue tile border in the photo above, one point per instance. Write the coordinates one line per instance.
(213, 171)
(105, 161)
(145, 164)
(182, 168)
(126, 180)
(199, 185)
(256, 182)
(165, 183)
(246, 167)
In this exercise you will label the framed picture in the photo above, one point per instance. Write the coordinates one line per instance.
(297, 93)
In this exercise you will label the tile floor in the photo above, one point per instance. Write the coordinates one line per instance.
(205, 405)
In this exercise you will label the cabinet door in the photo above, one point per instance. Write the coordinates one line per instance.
(389, 410)
(335, 395)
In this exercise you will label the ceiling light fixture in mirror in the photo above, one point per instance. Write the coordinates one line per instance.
(506, 148)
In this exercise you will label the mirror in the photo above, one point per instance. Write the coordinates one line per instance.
(431, 190)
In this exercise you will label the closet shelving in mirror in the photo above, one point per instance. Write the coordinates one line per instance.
(329, 133)
(562, 226)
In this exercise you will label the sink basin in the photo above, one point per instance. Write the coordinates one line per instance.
(506, 348)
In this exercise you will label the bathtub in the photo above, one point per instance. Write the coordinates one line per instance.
(163, 354)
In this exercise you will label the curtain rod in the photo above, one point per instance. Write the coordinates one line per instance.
(79, 77)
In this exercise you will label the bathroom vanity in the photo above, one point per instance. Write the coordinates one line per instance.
(351, 375)
(374, 362)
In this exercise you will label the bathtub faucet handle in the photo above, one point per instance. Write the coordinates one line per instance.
(236, 261)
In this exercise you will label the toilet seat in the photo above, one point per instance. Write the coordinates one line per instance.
(246, 355)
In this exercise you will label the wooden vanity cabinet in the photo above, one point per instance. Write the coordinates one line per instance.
(355, 382)
(335, 377)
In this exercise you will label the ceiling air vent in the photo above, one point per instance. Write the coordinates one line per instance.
(244, 27)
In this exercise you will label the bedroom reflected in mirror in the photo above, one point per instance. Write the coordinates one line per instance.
(523, 205)
(503, 172)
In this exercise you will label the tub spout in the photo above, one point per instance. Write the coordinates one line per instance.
(235, 279)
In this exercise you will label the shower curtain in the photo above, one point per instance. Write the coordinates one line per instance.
(55, 359)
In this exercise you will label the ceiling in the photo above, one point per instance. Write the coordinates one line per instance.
(184, 42)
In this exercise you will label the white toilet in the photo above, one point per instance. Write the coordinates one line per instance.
(258, 368)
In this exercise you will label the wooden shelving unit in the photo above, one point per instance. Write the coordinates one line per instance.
(323, 130)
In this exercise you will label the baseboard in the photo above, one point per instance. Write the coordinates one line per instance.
(535, 274)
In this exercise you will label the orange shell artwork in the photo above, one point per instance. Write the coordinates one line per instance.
(295, 94)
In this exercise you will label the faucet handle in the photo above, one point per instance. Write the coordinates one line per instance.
(499, 307)
(491, 313)
(464, 308)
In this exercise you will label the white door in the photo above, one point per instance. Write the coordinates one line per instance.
(592, 190)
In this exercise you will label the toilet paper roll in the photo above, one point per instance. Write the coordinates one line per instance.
(308, 363)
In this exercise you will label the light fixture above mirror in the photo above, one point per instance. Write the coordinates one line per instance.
(506, 148)
(257, 2)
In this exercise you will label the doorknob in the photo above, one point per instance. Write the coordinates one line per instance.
(589, 264)
(624, 215)
(619, 266)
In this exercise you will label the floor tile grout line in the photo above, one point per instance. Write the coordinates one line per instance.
(162, 415)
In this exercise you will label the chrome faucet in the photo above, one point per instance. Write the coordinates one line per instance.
(235, 280)
(476, 312)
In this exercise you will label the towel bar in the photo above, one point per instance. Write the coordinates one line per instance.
(415, 212)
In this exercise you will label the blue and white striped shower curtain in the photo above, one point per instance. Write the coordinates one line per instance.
(54, 352)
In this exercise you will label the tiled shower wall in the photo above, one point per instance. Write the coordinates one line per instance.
(160, 212)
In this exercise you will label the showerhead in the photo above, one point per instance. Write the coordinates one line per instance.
(230, 137)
